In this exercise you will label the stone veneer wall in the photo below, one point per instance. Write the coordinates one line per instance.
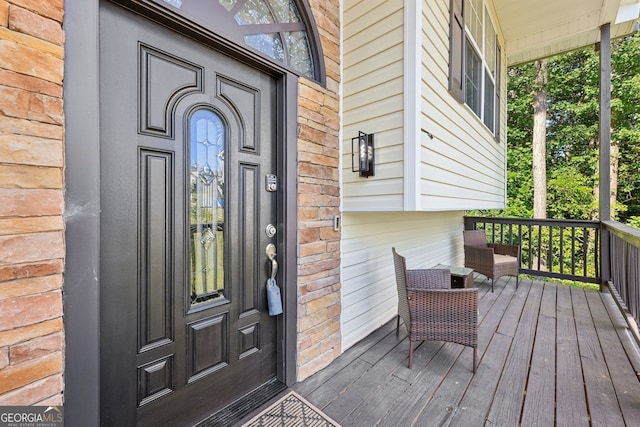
(31, 202)
(319, 286)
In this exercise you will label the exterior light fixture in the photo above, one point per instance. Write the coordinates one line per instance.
(366, 154)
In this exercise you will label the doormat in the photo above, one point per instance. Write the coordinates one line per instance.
(291, 410)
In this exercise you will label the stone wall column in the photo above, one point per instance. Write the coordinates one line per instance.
(319, 286)
(31, 202)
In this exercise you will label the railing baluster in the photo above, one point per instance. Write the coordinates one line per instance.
(573, 250)
(596, 258)
(539, 245)
(550, 261)
(585, 242)
(520, 244)
(561, 250)
(530, 247)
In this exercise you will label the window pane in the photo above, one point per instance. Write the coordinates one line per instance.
(489, 44)
(254, 12)
(286, 10)
(489, 97)
(299, 52)
(269, 44)
(473, 20)
(473, 70)
(206, 206)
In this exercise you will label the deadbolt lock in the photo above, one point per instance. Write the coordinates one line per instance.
(270, 230)
(271, 182)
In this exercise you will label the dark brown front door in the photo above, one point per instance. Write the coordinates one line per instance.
(188, 143)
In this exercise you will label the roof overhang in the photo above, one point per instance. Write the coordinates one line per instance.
(543, 28)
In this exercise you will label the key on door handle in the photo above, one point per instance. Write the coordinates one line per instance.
(271, 254)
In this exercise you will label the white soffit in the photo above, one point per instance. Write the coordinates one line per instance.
(542, 28)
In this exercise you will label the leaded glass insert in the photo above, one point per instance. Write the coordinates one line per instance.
(299, 52)
(284, 38)
(206, 205)
(285, 10)
(228, 4)
(254, 12)
(270, 44)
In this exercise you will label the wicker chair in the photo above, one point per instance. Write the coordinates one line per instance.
(432, 311)
(493, 260)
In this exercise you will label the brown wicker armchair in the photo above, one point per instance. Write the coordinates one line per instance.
(493, 260)
(432, 311)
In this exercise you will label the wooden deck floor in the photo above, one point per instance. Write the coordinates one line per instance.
(548, 355)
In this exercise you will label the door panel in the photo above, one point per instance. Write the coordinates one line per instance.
(187, 136)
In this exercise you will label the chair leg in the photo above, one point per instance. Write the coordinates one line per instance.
(517, 280)
(410, 353)
(475, 357)
(397, 325)
(492, 280)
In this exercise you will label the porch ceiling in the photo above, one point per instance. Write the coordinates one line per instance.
(543, 28)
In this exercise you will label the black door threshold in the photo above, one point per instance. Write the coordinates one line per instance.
(234, 412)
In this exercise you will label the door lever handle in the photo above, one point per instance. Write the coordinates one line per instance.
(271, 254)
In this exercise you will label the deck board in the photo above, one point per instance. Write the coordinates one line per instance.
(369, 381)
(621, 373)
(603, 404)
(344, 360)
(548, 355)
(539, 404)
(571, 404)
(410, 402)
(509, 395)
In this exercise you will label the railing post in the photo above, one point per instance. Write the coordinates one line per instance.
(605, 152)
(469, 223)
(604, 172)
(605, 257)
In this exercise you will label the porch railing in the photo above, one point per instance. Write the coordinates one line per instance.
(624, 244)
(562, 249)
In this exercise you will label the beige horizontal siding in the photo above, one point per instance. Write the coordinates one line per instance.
(373, 101)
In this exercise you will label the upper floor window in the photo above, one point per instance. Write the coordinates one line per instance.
(474, 61)
(283, 30)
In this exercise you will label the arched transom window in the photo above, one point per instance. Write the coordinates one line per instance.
(283, 30)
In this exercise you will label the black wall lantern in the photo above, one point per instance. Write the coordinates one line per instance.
(366, 154)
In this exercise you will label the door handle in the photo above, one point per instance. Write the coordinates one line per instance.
(271, 254)
(274, 300)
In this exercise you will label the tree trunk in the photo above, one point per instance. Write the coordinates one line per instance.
(540, 141)
(615, 155)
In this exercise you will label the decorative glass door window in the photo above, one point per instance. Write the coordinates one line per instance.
(206, 205)
(283, 30)
(275, 28)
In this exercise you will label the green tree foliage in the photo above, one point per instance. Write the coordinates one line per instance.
(625, 117)
(572, 133)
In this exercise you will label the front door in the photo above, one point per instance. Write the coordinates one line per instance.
(188, 150)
